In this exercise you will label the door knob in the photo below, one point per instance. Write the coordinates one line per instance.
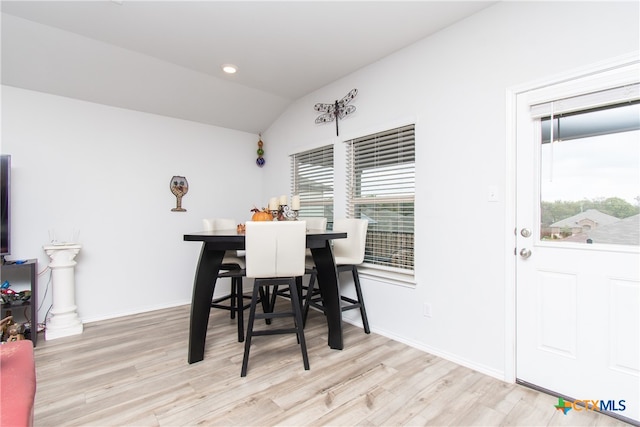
(525, 232)
(525, 253)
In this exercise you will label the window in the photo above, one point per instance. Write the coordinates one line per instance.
(381, 188)
(312, 180)
(590, 168)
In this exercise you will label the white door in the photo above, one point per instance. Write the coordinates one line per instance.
(578, 258)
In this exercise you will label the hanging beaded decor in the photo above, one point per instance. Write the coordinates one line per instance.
(260, 159)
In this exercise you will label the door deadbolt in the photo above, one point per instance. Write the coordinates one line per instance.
(525, 253)
(525, 232)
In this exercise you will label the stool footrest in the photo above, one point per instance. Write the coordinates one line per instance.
(274, 315)
(275, 331)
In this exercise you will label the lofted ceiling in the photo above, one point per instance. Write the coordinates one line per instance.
(165, 57)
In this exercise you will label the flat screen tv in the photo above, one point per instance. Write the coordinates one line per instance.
(5, 205)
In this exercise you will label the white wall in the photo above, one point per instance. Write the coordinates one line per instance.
(105, 172)
(454, 86)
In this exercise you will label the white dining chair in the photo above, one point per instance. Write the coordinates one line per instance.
(212, 224)
(348, 254)
(274, 257)
(313, 223)
(232, 267)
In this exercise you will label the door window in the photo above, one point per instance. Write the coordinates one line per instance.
(590, 176)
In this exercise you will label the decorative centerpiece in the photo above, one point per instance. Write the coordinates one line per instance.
(281, 211)
(261, 215)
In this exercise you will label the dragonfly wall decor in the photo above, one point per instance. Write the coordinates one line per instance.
(337, 110)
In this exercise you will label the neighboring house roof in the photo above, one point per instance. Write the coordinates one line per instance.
(624, 232)
(592, 214)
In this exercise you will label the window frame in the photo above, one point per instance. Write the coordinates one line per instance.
(402, 272)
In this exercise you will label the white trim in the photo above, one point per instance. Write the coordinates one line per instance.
(512, 94)
(600, 247)
(381, 127)
(583, 72)
(483, 369)
(349, 135)
(388, 277)
(510, 240)
(147, 309)
(312, 146)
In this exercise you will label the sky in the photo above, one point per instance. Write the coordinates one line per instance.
(590, 168)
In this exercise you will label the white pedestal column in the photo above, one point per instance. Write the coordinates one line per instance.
(64, 319)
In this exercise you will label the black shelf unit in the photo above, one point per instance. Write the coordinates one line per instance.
(30, 265)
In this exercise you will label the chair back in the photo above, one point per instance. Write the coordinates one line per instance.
(351, 249)
(209, 224)
(314, 222)
(275, 248)
(212, 224)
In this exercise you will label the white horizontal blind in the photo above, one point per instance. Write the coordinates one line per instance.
(591, 123)
(586, 115)
(312, 180)
(587, 101)
(381, 188)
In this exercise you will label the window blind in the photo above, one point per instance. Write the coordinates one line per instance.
(312, 180)
(381, 188)
(617, 95)
(593, 122)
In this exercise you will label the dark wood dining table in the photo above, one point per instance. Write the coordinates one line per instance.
(216, 243)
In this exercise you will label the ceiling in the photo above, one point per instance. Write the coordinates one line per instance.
(283, 49)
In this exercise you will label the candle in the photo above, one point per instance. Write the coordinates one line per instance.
(283, 200)
(273, 204)
(295, 203)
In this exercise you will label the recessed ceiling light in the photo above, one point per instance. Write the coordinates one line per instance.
(229, 68)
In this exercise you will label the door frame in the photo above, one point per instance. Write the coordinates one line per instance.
(510, 356)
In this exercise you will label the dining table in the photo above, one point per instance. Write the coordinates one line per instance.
(216, 243)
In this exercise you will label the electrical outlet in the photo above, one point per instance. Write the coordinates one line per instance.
(426, 310)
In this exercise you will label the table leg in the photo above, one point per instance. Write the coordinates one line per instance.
(203, 287)
(328, 284)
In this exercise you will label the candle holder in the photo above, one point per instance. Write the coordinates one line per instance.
(285, 213)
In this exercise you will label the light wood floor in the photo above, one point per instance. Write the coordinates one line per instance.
(133, 371)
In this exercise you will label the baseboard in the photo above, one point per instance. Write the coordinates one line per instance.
(494, 373)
